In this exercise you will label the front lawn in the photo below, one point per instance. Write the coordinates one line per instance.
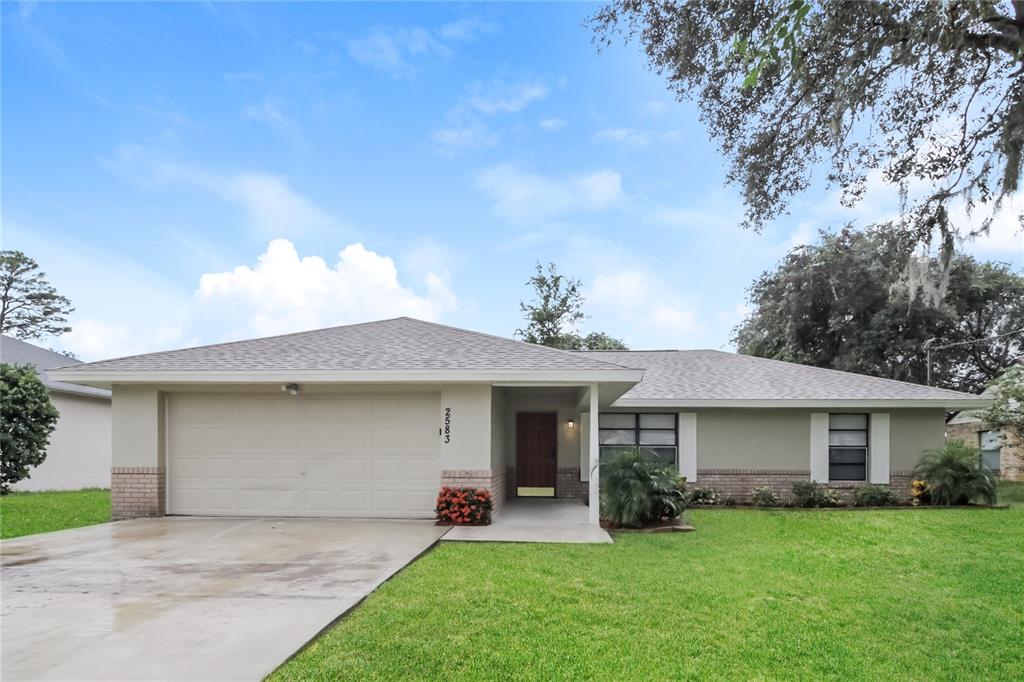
(28, 513)
(913, 594)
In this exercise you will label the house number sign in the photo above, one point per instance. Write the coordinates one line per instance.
(447, 425)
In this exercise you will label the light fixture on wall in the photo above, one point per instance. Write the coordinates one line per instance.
(290, 388)
(570, 425)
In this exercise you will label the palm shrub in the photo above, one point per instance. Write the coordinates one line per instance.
(956, 474)
(639, 489)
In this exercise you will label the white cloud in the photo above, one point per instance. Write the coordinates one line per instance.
(467, 30)
(644, 305)
(284, 292)
(520, 196)
(465, 127)
(501, 96)
(552, 124)
(269, 202)
(463, 134)
(624, 136)
(268, 111)
(395, 49)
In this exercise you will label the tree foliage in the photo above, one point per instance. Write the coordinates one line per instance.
(851, 303)
(28, 419)
(1007, 409)
(30, 307)
(554, 316)
(929, 95)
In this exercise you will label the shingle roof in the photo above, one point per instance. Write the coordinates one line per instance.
(717, 375)
(397, 344)
(17, 352)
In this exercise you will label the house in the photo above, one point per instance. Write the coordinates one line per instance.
(1002, 449)
(371, 419)
(78, 455)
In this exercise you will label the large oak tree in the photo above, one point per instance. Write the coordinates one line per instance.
(849, 303)
(928, 94)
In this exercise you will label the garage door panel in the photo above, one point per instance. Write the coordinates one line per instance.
(186, 437)
(323, 438)
(421, 438)
(302, 456)
(221, 467)
(288, 438)
(422, 470)
(388, 439)
(255, 468)
(420, 499)
(220, 437)
(252, 437)
(388, 469)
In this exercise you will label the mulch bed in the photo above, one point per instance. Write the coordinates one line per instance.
(673, 526)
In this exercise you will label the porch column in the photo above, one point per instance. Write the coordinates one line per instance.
(594, 511)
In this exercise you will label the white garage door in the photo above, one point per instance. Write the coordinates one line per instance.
(248, 455)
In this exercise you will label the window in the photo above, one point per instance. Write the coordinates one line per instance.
(847, 447)
(990, 446)
(654, 433)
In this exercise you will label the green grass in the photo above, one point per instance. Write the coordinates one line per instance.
(1011, 492)
(29, 513)
(752, 595)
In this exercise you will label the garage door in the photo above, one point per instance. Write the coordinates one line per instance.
(247, 455)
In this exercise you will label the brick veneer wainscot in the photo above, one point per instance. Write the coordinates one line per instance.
(567, 484)
(138, 492)
(740, 483)
(491, 479)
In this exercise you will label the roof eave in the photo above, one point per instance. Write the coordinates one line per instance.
(106, 379)
(944, 403)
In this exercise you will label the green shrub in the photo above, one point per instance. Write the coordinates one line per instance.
(814, 494)
(729, 501)
(28, 418)
(874, 496)
(956, 474)
(703, 496)
(765, 496)
(639, 489)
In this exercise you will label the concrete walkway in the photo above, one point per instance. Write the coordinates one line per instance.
(535, 520)
(188, 598)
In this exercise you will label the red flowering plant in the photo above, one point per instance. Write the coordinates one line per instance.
(464, 506)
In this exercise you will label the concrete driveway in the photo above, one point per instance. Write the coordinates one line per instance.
(188, 598)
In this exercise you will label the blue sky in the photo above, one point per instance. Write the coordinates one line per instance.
(193, 173)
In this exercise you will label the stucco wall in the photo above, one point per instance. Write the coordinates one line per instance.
(137, 414)
(779, 439)
(79, 452)
(911, 432)
(753, 439)
(498, 428)
(469, 446)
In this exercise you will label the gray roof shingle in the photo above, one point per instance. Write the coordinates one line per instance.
(17, 352)
(397, 344)
(717, 375)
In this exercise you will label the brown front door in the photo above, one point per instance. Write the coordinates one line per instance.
(536, 453)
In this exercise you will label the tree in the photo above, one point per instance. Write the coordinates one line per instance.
(926, 94)
(1007, 409)
(554, 316)
(30, 307)
(28, 420)
(851, 303)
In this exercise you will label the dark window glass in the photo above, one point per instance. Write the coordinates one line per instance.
(848, 447)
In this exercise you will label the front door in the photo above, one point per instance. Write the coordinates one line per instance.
(536, 453)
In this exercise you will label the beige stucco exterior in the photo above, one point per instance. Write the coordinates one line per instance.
(910, 433)
(138, 427)
(78, 455)
(564, 402)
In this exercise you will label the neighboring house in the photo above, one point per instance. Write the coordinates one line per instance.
(79, 452)
(1002, 449)
(371, 419)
